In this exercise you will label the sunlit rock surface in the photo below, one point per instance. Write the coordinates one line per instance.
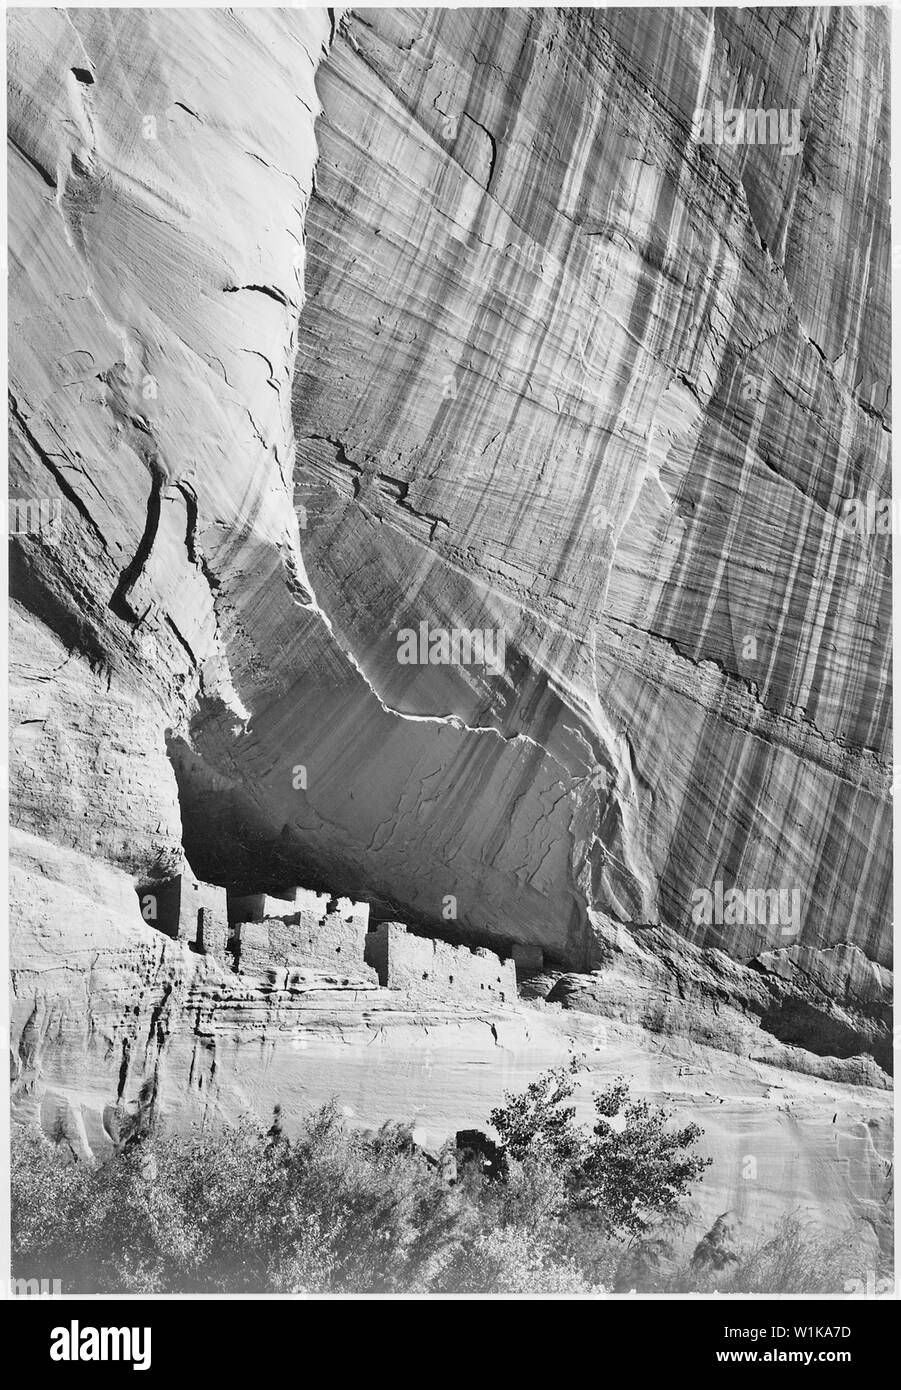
(565, 372)
(530, 359)
(103, 1003)
(156, 265)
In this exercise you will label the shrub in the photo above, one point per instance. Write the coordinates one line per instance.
(247, 1210)
(237, 1211)
(626, 1174)
(508, 1259)
(796, 1260)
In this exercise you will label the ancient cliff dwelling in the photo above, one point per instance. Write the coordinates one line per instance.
(450, 618)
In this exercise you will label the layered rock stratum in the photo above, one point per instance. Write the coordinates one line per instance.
(325, 325)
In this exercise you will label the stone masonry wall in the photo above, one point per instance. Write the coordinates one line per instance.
(257, 907)
(189, 910)
(428, 969)
(203, 914)
(332, 942)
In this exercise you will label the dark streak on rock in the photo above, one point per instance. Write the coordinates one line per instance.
(278, 295)
(119, 602)
(45, 174)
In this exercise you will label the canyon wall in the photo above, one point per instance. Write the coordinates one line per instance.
(567, 373)
(325, 327)
(104, 1006)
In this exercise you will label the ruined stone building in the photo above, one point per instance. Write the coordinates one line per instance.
(302, 929)
(294, 929)
(425, 968)
(189, 910)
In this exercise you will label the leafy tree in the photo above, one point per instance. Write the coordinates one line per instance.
(640, 1169)
(246, 1209)
(626, 1172)
(536, 1125)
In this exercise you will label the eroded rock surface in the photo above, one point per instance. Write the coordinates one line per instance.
(526, 358)
(564, 371)
(103, 1004)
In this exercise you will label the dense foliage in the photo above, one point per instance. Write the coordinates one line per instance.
(334, 1209)
(628, 1170)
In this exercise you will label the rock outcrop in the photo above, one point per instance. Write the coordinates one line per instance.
(103, 1007)
(567, 372)
(326, 328)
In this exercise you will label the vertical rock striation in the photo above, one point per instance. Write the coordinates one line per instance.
(527, 358)
(566, 370)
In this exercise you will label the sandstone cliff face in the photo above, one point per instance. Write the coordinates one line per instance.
(156, 252)
(564, 372)
(103, 1003)
(520, 355)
